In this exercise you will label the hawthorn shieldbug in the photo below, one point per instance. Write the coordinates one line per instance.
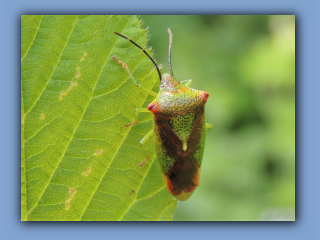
(179, 128)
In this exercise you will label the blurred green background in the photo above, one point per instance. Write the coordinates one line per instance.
(247, 65)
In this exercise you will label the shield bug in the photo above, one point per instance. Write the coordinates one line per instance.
(179, 128)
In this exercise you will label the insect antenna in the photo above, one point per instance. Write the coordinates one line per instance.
(170, 44)
(142, 50)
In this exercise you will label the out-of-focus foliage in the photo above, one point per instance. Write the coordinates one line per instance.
(247, 64)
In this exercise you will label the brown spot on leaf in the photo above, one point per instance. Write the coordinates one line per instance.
(83, 57)
(72, 84)
(78, 74)
(86, 173)
(98, 152)
(72, 193)
(62, 93)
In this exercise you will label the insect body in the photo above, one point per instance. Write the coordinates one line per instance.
(179, 129)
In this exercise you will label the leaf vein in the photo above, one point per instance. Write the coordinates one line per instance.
(53, 70)
(34, 37)
(124, 212)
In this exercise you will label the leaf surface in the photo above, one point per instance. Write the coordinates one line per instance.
(78, 161)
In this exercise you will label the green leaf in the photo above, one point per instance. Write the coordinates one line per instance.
(78, 161)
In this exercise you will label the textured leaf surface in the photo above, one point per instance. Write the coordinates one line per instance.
(78, 161)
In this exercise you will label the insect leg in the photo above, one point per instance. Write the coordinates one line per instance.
(146, 137)
(187, 82)
(134, 81)
(143, 141)
(146, 159)
(208, 126)
(137, 110)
